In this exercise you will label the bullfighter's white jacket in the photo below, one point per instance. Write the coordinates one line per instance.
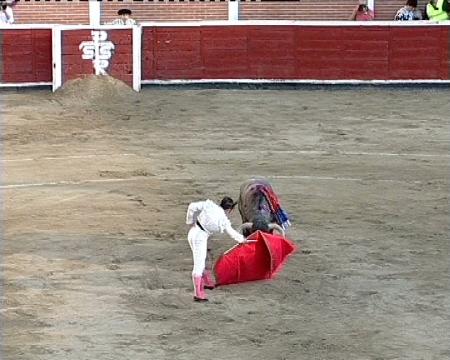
(212, 218)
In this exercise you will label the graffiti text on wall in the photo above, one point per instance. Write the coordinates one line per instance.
(98, 50)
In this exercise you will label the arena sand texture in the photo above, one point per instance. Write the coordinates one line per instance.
(97, 180)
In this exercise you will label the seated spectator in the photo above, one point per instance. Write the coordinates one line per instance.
(6, 14)
(362, 12)
(438, 10)
(125, 18)
(409, 12)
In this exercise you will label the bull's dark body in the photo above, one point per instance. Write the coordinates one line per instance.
(253, 206)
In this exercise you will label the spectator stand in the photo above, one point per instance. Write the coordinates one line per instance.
(76, 12)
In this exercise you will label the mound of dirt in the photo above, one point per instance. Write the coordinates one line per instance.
(95, 92)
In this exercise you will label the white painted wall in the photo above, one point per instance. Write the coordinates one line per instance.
(233, 10)
(94, 12)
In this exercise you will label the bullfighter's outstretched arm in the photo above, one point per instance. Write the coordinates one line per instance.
(233, 233)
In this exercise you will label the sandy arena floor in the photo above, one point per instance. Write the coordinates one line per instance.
(95, 187)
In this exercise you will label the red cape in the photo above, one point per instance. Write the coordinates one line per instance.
(260, 260)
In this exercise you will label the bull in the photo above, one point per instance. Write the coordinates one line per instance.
(255, 210)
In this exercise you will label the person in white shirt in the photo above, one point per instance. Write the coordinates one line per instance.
(207, 218)
(6, 14)
(125, 18)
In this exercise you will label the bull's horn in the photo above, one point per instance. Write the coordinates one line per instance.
(245, 226)
(277, 227)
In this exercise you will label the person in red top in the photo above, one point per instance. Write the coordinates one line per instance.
(362, 12)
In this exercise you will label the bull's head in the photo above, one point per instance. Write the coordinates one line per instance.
(261, 224)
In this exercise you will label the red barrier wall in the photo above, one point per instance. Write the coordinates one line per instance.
(26, 56)
(120, 63)
(267, 52)
(296, 52)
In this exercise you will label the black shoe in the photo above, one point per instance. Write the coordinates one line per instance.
(199, 299)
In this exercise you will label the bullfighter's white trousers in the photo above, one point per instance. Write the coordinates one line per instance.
(198, 240)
